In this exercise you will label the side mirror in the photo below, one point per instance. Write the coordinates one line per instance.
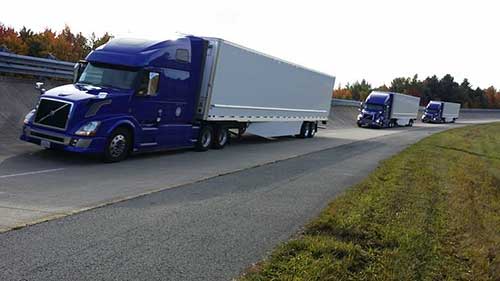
(78, 70)
(38, 86)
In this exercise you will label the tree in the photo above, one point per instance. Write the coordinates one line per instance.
(360, 91)
(10, 40)
(96, 42)
(344, 93)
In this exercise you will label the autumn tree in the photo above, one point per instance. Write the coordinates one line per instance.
(63, 45)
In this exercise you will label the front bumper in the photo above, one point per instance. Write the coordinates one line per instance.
(369, 123)
(430, 119)
(62, 141)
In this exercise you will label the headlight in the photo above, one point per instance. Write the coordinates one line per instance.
(89, 129)
(28, 116)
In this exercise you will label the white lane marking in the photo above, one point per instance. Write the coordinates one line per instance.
(31, 173)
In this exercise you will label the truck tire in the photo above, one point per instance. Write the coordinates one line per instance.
(313, 128)
(221, 137)
(304, 130)
(117, 146)
(410, 123)
(205, 138)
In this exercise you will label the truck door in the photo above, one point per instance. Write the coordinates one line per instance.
(147, 107)
(176, 129)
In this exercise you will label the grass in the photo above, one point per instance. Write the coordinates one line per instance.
(431, 212)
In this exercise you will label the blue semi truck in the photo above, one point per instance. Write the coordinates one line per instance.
(133, 95)
(387, 110)
(441, 112)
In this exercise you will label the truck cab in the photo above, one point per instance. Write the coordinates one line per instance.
(375, 111)
(128, 95)
(433, 112)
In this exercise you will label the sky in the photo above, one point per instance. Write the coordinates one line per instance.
(352, 40)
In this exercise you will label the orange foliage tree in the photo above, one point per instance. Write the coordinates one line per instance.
(63, 45)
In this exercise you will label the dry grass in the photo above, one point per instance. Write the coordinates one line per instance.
(431, 212)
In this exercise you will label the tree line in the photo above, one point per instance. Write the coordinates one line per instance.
(431, 88)
(64, 45)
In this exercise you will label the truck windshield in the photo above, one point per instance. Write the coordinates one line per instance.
(374, 107)
(433, 107)
(108, 76)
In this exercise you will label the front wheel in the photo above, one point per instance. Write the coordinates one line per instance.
(117, 146)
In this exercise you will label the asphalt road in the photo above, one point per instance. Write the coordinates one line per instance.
(208, 230)
(37, 185)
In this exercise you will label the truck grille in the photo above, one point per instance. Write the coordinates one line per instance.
(367, 116)
(53, 113)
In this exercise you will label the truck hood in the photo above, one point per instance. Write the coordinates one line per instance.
(83, 98)
(78, 93)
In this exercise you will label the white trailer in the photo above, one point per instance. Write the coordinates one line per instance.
(270, 96)
(451, 111)
(404, 108)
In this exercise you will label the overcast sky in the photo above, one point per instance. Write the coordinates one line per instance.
(352, 40)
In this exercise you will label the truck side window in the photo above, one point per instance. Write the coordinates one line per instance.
(154, 79)
(149, 84)
(182, 55)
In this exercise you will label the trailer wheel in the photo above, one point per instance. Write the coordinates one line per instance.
(205, 138)
(221, 137)
(313, 128)
(304, 130)
(410, 124)
(453, 121)
(117, 146)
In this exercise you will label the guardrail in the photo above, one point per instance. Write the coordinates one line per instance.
(11, 63)
(341, 102)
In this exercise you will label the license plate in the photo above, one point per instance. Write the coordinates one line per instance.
(45, 143)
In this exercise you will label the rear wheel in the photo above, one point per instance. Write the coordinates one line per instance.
(117, 146)
(313, 128)
(221, 137)
(304, 130)
(205, 138)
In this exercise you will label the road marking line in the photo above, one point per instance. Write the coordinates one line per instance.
(31, 173)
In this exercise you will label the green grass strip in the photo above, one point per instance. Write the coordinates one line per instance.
(432, 212)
